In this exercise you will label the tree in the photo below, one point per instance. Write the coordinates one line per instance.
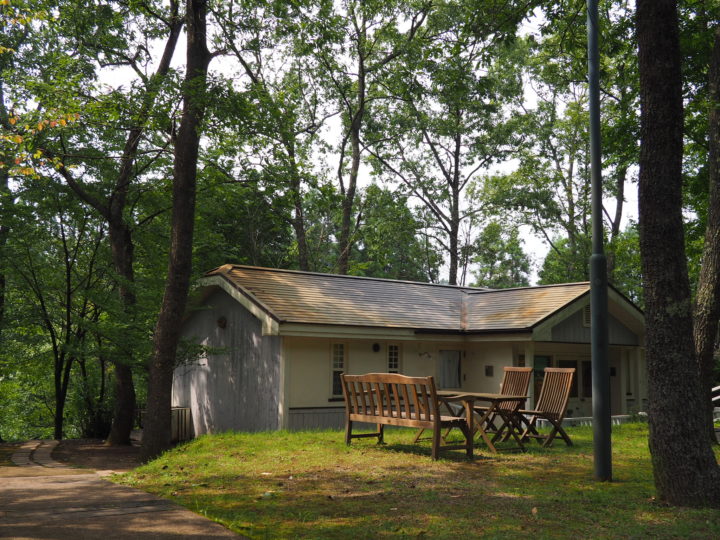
(448, 120)
(355, 44)
(167, 330)
(685, 469)
(279, 110)
(62, 75)
(501, 261)
(114, 209)
(60, 274)
(390, 241)
(707, 301)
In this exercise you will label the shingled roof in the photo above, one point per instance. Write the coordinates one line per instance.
(291, 296)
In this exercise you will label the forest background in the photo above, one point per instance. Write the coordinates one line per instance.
(397, 139)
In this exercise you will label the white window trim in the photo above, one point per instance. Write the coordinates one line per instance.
(398, 368)
(333, 368)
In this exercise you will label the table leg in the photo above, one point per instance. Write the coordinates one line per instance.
(481, 429)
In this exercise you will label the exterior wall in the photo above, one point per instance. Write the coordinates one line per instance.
(238, 385)
(628, 390)
(572, 330)
(309, 373)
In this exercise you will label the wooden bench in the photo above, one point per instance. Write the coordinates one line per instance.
(398, 400)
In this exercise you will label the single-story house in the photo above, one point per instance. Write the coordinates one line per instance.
(276, 342)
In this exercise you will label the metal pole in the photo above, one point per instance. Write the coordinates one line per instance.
(598, 269)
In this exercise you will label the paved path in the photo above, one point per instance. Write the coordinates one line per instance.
(43, 499)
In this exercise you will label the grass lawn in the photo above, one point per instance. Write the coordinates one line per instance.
(310, 485)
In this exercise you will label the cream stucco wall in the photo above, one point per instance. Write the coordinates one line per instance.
(309, 367)
(308, 364)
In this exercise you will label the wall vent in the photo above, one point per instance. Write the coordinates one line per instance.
(586, 316)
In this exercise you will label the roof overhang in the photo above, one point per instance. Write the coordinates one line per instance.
(270, 323)
(396, 334)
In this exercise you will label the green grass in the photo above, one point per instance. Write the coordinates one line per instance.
(310, 485)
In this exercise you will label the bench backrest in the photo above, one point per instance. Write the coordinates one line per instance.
(391, 395)
(555, 392)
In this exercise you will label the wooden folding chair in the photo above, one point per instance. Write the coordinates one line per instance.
(516, 381)
(551, 406)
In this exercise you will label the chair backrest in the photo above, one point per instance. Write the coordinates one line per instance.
(555, 392)
(391, 395)
(516, 381)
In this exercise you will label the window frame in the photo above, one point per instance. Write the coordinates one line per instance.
(397, 360)
(334, 368)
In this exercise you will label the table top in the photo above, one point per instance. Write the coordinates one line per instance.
(482, 396)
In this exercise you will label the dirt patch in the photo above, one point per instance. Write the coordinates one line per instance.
(94, 454)
(6, 452)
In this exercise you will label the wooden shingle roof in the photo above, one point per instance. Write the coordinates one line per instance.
(291, 296)
(506, 309)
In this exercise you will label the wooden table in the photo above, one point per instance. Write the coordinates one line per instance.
(508, 415)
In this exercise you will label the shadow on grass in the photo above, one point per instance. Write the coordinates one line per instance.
(312, 485)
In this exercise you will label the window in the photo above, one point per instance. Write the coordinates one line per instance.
(338, 367)
(587, 378)
(539, 365)
(393, 358)
(449, 369)
(571, 364)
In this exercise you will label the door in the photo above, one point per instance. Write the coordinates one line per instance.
(450, 374)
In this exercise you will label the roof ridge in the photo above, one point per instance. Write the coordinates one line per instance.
(227, 267)
(533, 287)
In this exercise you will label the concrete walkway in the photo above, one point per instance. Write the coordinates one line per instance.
(43, 499)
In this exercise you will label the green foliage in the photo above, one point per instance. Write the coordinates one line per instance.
(501, 261)
(563, 264)
(389, 243)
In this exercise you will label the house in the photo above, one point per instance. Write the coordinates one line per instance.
(277, 341)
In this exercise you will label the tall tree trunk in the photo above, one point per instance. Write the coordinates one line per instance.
(707, 303)
(156, 435)
(348, 204)
(298, 221)
(356, 120)
(6, 203)
(685, 469)
(122, 249)
(63, 368)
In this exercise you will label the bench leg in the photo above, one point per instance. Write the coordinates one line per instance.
(381, 433)
(348, 431)
(436, 443)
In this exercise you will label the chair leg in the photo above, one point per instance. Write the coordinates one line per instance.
(530, 430)
(557, 430)
(565, 436)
